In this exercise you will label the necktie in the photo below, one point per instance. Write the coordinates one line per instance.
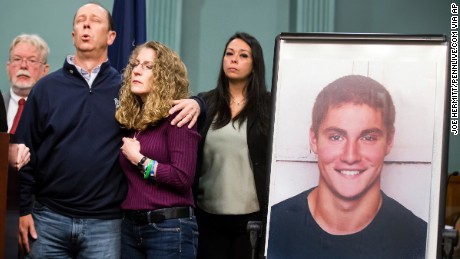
(21, 103)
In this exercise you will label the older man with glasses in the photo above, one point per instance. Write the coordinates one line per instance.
(26, 65)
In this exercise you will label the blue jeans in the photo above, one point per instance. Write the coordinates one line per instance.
(171, 238)
(64, 237)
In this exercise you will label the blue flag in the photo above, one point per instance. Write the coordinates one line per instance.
(129, 19)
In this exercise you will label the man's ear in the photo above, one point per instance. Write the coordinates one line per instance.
(73, 39)
(390, 140)
(111, 37)
(46, 69)
(313, 141)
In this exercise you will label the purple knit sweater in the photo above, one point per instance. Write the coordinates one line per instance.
(175, 149)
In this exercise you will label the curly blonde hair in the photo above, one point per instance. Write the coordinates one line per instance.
(168, 82)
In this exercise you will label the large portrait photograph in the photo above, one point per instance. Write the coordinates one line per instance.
(358, 145)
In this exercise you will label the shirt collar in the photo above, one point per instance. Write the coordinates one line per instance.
(71, 60)
(89, 77)
(15, 97)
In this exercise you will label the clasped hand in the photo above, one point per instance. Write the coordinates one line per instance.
(131, 149)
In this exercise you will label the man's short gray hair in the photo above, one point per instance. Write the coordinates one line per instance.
(34, 40)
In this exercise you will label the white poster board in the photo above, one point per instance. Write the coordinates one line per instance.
(412, 69)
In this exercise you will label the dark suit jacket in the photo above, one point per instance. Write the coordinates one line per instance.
(3, 121)
(6, 99)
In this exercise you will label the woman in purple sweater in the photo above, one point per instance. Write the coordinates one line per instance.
(157, 158)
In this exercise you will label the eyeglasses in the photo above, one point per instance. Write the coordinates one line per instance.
(17, 61)
(145, 66)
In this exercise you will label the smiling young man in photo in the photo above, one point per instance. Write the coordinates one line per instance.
(348, 215)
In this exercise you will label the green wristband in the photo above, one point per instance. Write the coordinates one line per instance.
(149, 168)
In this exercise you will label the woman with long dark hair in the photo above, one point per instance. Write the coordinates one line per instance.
(232, 157)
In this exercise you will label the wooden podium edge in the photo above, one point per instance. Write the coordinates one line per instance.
(4, 168)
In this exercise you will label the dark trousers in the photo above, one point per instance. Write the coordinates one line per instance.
(224, 236)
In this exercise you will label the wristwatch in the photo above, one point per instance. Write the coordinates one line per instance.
(140, 165)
